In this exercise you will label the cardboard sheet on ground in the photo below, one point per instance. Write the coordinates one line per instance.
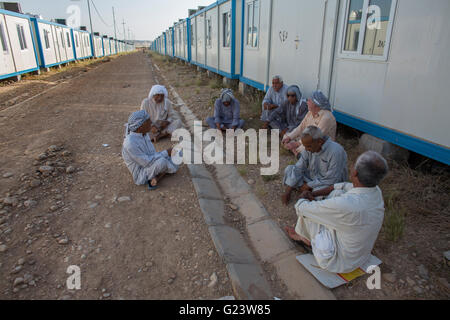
(334, 280)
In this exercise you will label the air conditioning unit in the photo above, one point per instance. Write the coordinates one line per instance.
(83, 28)
(11, 6)
(61, 21)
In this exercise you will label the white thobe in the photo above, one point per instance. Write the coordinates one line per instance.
(350, 220)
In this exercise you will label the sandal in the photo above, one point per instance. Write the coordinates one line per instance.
(150, 187)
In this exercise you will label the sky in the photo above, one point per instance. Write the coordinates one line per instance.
(147, 19)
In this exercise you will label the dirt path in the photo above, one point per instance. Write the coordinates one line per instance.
(155, 246)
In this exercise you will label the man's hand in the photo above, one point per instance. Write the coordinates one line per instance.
(267, 106)
(154, 130)
(306, 188)
(273, 107)
(165, 124)
(169, 151)
(286, 140)
(283, 133)
(308, 195)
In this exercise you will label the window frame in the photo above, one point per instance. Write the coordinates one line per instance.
(358, 54)
(21, 33)
(208, 31)
(4, 42)
(46, 39)
(68, 40)
(226, 30)
(249, 45)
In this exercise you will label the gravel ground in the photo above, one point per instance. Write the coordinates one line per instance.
(129, 243)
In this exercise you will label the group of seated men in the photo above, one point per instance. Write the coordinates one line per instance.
(338, 220)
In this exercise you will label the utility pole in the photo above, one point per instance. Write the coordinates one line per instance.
(124, 34)
(115, 31)
(90, 17)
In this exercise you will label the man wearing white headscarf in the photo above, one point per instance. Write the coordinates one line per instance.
(227, 113)
(159, 108)
(145, 164)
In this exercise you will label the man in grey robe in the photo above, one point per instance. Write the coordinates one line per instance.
(342, 229)
(291, 113)
(227, 113)
(323, 163)
(275, 97)
(145, 164)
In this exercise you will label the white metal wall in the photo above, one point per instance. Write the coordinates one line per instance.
(298, 51)
(6, 58)
(409, 91)
(50, 54)
(24, 59)
(212, 48)
(255, 63)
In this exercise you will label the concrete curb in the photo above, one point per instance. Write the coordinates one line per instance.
(247, 276)
(268, 240)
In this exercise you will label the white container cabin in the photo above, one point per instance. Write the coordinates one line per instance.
(181, 40)
(97, 43)
(18, 52)
(215, 38)
(82, 44)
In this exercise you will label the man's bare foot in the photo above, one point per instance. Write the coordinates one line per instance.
(154, 182)
(296, 237)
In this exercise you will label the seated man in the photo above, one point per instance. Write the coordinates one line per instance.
(227, 113)
(145, 164)
(275, 97)
(323, 163)
(159, 108)
(291, 113)
(319, 115)
(342, 230)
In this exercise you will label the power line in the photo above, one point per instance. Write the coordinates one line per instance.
(99, 15)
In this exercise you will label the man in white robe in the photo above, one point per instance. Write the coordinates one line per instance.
(342, 229)
(160, 110)
(145, 164)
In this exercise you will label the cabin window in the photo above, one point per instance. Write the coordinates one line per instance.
(63, 44)
(21, 34)
(227, 30)
(68, 40)
(184, 35)
(46, 39)
(192, 35)
(367, 28)
(3, 38)
(253, 12)
(208, 32)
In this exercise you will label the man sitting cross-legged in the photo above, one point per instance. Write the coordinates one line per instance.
(145, 164)
(342, 230)
(323, 163)
(159, 108)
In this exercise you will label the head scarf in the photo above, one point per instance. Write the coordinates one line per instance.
(136, 120)
(158, 89)
(295, 90)
(226, 95)
(321, 100)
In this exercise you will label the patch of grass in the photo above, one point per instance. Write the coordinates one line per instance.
(197, 91)
(261, 192)
(215, 84)
(394, 222)
(284, 152)
(243, 171)
(271, 178)
(200, 82)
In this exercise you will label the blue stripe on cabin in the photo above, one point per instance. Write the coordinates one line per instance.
(400, 139)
